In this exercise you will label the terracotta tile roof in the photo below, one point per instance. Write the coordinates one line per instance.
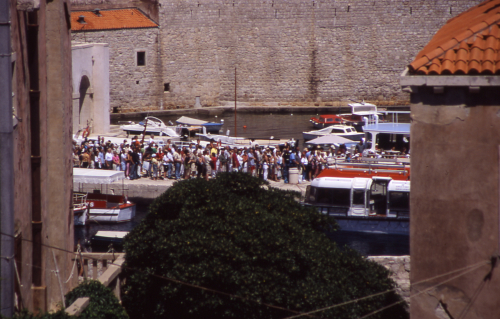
(467, 44)
(111, 20)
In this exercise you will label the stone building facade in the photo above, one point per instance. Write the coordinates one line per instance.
(455, 136)
(132, 86)
(303, 52)
(41, 190)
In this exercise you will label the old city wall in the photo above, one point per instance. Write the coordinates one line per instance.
(294, 51)
(290, 52)
(132, 87)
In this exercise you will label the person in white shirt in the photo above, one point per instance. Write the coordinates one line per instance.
(168, 161)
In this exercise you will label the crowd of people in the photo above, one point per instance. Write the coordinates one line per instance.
(146, 159)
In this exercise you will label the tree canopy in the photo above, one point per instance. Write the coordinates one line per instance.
(254, 249)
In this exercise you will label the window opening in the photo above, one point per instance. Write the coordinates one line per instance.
(166, 87)
(141, 58)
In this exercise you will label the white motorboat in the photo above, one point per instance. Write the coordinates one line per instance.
(153, 125)
(345, 131)
(359, 112)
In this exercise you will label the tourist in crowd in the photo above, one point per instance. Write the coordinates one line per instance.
(168, 161)
(135, 164)
(235, 160)
(129, 163)
(214, 163)
(279, 165)
(85, 159)
(303, 165)
(154, 167)
(265, 167)
(116, 161)
(177, 162)
(123, 161)
(187, 164)
(286, 164)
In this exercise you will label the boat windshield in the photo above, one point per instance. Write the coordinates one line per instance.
(330, 196)
(358, 197)
(399, 200)
(337, 130)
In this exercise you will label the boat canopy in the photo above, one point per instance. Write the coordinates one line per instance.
(190, 121)
(96, 176)
(391, 128)
(330, 139)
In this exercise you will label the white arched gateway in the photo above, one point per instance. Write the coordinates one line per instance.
(90, 87)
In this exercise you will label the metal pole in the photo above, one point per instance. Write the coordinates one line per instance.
(235, 127)
(6, 166)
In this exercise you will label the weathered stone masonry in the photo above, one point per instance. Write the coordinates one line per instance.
(294, 51)
(131, 87)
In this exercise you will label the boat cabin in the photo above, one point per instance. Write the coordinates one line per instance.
(362, 197)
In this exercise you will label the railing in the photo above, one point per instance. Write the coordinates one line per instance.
(105, 267)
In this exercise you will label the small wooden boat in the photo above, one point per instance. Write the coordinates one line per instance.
(104, 240)
(106, 208)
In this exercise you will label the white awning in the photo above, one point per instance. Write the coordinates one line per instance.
(96, 176)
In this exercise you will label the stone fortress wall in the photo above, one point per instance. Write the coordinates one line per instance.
(287, 51)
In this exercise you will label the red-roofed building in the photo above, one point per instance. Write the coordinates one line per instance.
(454, 85)
(116, 19)
(133, 38)
(468, 44)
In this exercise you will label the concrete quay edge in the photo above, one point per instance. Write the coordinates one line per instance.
(145, 190)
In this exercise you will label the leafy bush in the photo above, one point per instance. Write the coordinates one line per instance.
(236, 235)
(103, 303)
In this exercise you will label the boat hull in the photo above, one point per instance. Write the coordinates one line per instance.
(369, 224)
(353, 137)
(80, 216)
(379, 225)
(121, 214)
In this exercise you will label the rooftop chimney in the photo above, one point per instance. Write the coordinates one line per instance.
(97, 12)
(81, 19)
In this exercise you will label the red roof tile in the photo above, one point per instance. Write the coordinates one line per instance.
(467, 44)
(110, 20)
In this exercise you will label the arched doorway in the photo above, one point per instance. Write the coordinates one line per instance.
(85, 102)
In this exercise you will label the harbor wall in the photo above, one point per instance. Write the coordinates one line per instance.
(295, 52)
(399, 266)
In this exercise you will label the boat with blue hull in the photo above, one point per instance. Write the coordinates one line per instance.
(208, 127)
(363, 204)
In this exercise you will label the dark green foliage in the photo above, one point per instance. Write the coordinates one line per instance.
(28, 315)
(103, 303)
(232, 235)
